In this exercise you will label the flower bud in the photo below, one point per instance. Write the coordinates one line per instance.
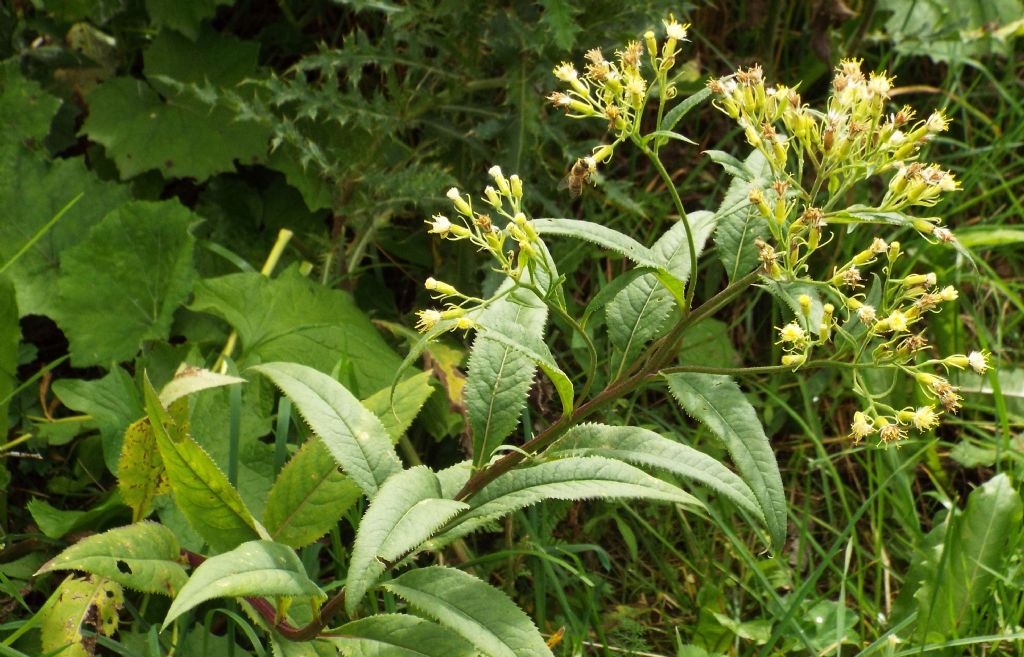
(794, 360)
(459, 202)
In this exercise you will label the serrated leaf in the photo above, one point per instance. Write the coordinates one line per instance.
(354, 435)
(146, 254)
(404, 514)
(645, 447)
(202, 492)
(91, 604)
(140, 471)
(717, 402)
(572, 478)
(477, 611)
(32, 192)
(397, 408)
(499, 376)
(789, 293)
(26, 111)
(143, 557)
(636, 314)
(674, 115)
(291, 318)
(399, 635)
(188, 380)
(256, 568)
(309, 497)
(738, 222)
(558, 17)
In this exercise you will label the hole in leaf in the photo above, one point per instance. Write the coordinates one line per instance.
(122, 566)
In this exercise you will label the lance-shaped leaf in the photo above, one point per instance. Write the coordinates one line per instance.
(398, 408)
(140, 471)
(718, 403)
(739, 222)
(257, 568)
(645, 447)
(144, 557)
(477, 611)
(309, 497)
(91, 604)
(204, 495)
(573, 478)
(637, 313)
(406, 512)
(355, 436)
(527, 343)
(499, 375)
(399, 635)
(188, 380)
(612, 240)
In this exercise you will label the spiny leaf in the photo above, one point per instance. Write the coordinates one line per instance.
(399, 635)
(500, 376)
(144, 557)
(354, 435)
(405, 513)
(256, 568)
(718, 402)
(645, 447)
(93, 601)
(477, 611)
(309, 497)
(204, 495)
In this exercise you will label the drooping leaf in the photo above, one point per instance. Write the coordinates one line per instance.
(354, 435)
(140, 471)
(146, 254)
(256, 568)
(188, 380)
(145, 128)
(717, 402)
(477, 611)
(397, 408)
(399, 635)
(500, 376)
(26, 111)
(290, 318)
(738, 222)
(406, 511)
(184, 16)
(202, 491)
(10, 337)
(309, 497)
(113, 402)
(56, 523)
(645, 447)
(143, 557)
(33, 191)
(92, 604)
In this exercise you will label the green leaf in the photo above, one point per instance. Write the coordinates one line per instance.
(738, 222)
(477, 611)
(184, 16)
(718, 402)
(140, 471)
(143, 557)
(398, 407)
(204, 495)
(526, 342)
(146, 128)
(91, 604)
(636, 315)
(10, 337)
(256, 568)
(290, 318)
(113, 402)
(961, 570)
(789, 293)
(26, 111)
(309, 497)
(399, 635)
(674, 115)
(354, 435)
(558, 17)
(645, 447)
(499, 375)
(56, 523)
(405, 513)
(146, 255)
(32, 192)
(572, 478)
(189, 380)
